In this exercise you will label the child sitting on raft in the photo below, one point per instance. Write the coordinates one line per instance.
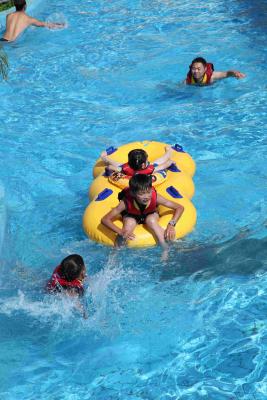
(68, 278)
(138, 163)
(138, 205)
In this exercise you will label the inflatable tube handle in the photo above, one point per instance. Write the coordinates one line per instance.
(104, 194)
(173, 168)
(178, 148)
(173, 192)
(110, 150)
(162, 172)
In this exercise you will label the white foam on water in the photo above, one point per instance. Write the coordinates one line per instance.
(51, 306)
(58, 18)
(101, 293)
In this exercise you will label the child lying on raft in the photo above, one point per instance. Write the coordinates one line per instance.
(138, 163)
(68, 278)
(138, 205)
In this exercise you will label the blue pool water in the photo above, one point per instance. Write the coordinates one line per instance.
(195, 327)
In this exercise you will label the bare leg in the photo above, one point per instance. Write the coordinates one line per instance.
(129, 225)
(152, 221)
(165, 157)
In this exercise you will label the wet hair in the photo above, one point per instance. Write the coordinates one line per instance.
(19, 4)
(140, 182)
(71, 267)
(136, 158)
(200, 60)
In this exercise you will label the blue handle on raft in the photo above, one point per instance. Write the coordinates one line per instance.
(173, 192)
(173, 168)
(104, 194)
(178, 148)
(111, 150)
(162, 172)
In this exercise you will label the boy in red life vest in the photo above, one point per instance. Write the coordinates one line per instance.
(68, 278)
(138, 162)
(138, 205)
(202, 73)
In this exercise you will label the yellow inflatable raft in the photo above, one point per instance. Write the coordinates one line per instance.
(175, 184)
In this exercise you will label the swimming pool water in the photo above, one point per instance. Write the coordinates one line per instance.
(195, 327)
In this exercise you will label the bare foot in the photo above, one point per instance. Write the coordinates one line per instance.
(103, 155)
(119, 242)
(168, 150)
(165, 255)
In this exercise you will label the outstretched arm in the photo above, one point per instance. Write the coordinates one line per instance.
(109, 162)
(42, 24)
(227, 74)
(178, 211)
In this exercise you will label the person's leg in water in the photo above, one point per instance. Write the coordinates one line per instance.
(129, 225)
(152, 222)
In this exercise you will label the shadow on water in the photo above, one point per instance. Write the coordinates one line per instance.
(170, 90)
(256, 11)
(237, 256)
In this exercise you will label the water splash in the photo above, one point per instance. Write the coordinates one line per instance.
(59, 19)
(43, 309)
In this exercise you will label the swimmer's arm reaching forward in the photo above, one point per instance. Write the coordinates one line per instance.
(227, 74)
(42, 24)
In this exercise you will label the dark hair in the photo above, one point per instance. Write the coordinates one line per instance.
(136, 158)
(71, 267)
(19, 4)
(199, 60)
(140, 182)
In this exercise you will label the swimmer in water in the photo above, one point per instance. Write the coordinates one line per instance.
(18, 21)
(68, 278)
(202, 73)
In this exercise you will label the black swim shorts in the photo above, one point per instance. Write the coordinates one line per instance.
(140, 219)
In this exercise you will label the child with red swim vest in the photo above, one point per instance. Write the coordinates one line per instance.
(202, 73)
(138, 163)
(138, 205)
(68, 276)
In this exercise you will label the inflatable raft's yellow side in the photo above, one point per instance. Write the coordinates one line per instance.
(183, 181)
(177, 186)
(154, 150)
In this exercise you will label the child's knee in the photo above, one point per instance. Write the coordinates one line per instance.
(152, 220)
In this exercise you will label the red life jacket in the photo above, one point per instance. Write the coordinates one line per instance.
(132, 205)
(206, 78)
(127, 170)
(57, 283)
